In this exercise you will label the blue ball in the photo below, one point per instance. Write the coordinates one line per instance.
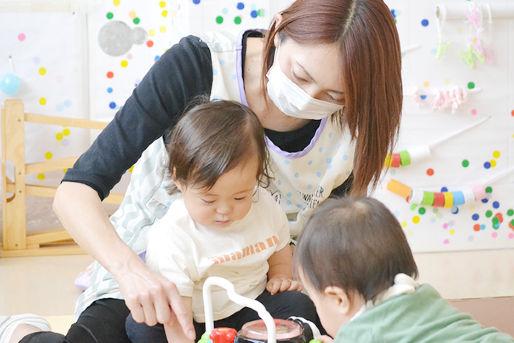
(10, 84)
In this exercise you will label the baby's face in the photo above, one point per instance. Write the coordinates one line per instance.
(229, 200)
(333, 305)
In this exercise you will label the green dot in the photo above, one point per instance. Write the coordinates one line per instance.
(510, 212)
(219, 19)
(496, 220)
(137, 20)
(488, 213)
(489, 189)
(261, 12)
(422, 210)
(465, 163)
(237, 20)
(109, 15)
(471, 85)
(413, 207)
(512, 223)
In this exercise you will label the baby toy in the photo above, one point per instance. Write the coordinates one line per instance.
(294, 330)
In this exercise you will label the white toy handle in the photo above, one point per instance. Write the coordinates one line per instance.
(238, 299)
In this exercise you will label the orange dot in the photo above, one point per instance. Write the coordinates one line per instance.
(512, 113)
(149, 43)
(430, 172)
(110, 74)
(132, 14)
(476, 227)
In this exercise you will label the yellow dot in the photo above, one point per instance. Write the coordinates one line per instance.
(162, 29)
(162, 4)
(42, 71)
(42, 101)
(65, 170)
(452, 231)
(151, 32)
(459, 29)
(58, 136)
(496, 154)
(132, 14)
(41, 177)
(447, 81)
(426, 84)
(415, 219)
(493, 163)
(131, 169)
(164, 14)
(124, 64)
(116, 2)
(48, 155)
(66, 132)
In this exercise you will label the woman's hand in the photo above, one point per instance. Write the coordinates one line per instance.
(173, 330)
(149, 296)
(282, 284)
(325, 339)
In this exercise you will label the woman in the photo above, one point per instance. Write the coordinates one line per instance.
(324, 81)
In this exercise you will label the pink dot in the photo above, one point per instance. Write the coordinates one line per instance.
(446, 241)
(474, 111)
(21, 37)
(445, 225)
(494, 234)
(511, 235)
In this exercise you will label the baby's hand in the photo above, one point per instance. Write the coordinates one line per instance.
(281, 284)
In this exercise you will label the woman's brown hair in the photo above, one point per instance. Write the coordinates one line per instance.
(355, 244)
(371, 63)
(213, 137)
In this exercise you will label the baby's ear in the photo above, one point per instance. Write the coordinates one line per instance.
(339, 298)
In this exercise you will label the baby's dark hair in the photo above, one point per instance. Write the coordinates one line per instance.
(211, 138)
(354, 243)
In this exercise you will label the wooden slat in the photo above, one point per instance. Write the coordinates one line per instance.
(13, 149)
(64, 121)
(68, 249)
(55, 164)
(49, 236)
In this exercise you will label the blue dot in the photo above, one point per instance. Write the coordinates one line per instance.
(487, 165)
(109, 90)
(296, 175)
(320, 149)
(485, 200)
(299, 206)
(222, 62)
(234, 76)
(112, 105)
(328, 160)
(67, 103)
(455, 210)
(214, 72)
(287, 161)
(288, 202)
(444, 189)
(279, 182)
(482, 227)
(168, 204)
(423, 96)
(475, 216)
(254, 14)
(309, 163)
(496, 204)
(330, 135)
(215, 98)
(60, 107)
(196, 2)
(289, 194)
(156, 58)
(345, 157)
(240, 6)
(309, 186)
(496, 225)
(393, 13)
(318, 174)
(424, 22)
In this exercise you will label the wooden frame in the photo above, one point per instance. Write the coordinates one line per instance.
(15, 240)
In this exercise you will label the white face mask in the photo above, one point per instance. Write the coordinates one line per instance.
(294, 101)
